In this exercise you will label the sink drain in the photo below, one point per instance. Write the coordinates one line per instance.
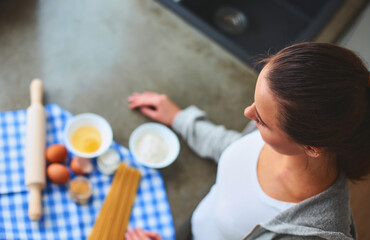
(230, 20)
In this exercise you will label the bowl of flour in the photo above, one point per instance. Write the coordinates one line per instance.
(154, 145)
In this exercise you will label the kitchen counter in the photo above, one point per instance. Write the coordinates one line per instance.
(91, 55)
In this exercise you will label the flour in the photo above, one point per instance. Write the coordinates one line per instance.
(151, 148)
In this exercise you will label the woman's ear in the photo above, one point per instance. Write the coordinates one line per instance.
(313, 151)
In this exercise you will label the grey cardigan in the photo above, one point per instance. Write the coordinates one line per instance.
(324, 216)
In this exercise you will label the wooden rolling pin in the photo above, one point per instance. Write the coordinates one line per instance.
(35, 150)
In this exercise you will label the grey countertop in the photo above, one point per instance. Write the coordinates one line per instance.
(91, 55)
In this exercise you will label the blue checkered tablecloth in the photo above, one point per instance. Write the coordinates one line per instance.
(62, 217)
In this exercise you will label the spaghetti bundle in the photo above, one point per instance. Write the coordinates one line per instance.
(114, 215)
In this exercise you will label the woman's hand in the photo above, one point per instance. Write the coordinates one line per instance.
(156, 106)
(139, 234)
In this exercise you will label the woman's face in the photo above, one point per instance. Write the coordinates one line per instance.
(265, 111)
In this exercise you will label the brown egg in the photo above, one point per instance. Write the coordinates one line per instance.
(81, 165)
(58, 173)
(56, 153)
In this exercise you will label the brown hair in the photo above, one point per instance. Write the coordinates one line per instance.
(323, 94)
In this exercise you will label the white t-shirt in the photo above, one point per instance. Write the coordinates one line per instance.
(236, 202)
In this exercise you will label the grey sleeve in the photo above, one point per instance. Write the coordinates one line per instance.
(204, 137)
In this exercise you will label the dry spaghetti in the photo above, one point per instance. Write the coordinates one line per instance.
(114, 215)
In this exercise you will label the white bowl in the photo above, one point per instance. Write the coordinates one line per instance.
(165, 133)
(93, 120)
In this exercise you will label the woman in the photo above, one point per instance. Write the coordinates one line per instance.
(287, 180)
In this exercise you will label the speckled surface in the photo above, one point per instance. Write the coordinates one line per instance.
(91, 55)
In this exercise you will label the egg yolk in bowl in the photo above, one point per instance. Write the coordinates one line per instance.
(86, 139)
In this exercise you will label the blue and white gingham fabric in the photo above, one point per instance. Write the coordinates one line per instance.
(62, 218)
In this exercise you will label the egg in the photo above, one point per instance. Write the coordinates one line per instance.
(56, 153)
(58, 173)
(86, 139)
(81, 165)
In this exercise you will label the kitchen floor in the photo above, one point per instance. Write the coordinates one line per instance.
(91, 55)
(357, 39)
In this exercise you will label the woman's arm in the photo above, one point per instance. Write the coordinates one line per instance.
(204, 137)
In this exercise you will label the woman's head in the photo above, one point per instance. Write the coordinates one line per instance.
(265, 112)
(321, 101)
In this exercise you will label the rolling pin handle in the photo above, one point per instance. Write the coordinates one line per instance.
(36, 91)
(35, 205)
